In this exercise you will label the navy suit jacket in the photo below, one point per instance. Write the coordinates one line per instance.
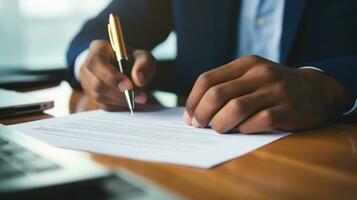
(320, 33)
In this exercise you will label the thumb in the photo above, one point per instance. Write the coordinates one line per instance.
(144, 67)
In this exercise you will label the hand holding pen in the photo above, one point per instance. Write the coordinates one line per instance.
(103, 82)
(118, 45)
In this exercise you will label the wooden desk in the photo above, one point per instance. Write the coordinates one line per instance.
(318, 164)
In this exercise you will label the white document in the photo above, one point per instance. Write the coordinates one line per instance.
(158, 135)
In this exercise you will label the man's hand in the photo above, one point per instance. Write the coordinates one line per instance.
(256, 95)
(105, 85)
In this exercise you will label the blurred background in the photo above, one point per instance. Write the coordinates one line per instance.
(35, 34)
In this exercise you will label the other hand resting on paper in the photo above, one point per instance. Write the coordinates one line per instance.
(105, 85)
(256, 95)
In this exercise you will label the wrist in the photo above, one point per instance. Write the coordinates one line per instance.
(334, 96)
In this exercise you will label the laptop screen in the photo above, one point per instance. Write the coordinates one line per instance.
(35, 34)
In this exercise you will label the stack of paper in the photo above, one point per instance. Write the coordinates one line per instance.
(157, 135)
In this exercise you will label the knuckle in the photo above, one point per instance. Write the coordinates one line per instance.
(142, 60)
(254, 58)
(282, 89)
(268, 72)
(269, 118)
(147, 58)
(237, 107)
(215, 94)
(205, 79)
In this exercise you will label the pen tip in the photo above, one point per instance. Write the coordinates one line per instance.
(132, 112)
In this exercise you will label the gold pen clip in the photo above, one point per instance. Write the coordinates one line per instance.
(116, 37)
(111, 38)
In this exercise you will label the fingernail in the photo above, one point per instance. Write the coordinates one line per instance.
(195, 123)
(186, 118)
(123, 85)
(141, 98)
(141, 76)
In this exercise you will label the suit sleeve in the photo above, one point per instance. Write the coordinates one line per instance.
(145, 23)
(342, 69)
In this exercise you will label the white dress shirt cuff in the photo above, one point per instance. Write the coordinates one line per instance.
(353, 109)
(311, 67)
(78, 63)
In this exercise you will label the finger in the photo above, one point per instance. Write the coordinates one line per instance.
(103, 48)
(140, 97)
(104, 94)
(95, 97)
(107, 95)
(144, 67)
(217, 96)
(239, 109)
(113, 105)
(99, 87)
(230, 71)
(265, 120)
(110, 107)
(106, 72)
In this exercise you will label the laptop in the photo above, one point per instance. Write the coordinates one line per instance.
(16, 103)
(31, 169)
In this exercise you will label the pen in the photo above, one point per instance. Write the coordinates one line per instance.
(118, 46)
